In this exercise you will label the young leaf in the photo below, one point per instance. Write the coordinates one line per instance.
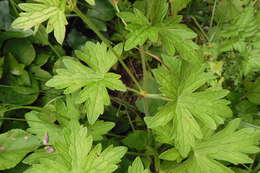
(94, 80)
(188, 106)
(37, 13)
(137, 167)
(226, 145)
(74, 154)
(14, 145)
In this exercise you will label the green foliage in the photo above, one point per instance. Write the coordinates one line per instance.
(178, 5)
(37, 13)
(188, 107)
(254, 92)
(137, 86)
(172, 35)
(14, 145)
(137, 140)
(226, 145)
(95, 80)
(137, 167)
(75, 154)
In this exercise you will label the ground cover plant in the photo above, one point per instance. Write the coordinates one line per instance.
(129, 86)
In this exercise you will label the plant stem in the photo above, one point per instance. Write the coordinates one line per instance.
(35, 108)
(155, 57)
(114, 135)
(213, 14)
(118, 11)
(157, 96)
(135, 154)
(91, 26)
(130, 121)
(133, 90)
(145, 104)
(20, 119)
(54, 50)
(200, 28)
(108, 43)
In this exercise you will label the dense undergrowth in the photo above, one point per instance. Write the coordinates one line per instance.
(137, 86)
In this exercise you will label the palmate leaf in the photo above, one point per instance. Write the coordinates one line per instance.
(94, 81)
(74, 154)
(227, 145)
(37, 13)
(141, 29)
(168, 31)
(188, 107)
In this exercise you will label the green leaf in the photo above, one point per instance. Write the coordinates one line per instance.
(227, 145)
(15, 144)
(75, 154)
(244, 25)
(179, 5)
(137, 167)
(94, 80)
(188, 107)
(68, 109)
(170, 154)
(164, 134)
(100, 128)
(76, 39)
(37, 13)
(14, 34)
(37, 156)
(172, 35)
(179, 38)
(234, 10)
(158, 11)
(21, 49)
(140, 27)
(41, 36)
(253, 93)
(41, 128)
(137, 140)
(91, 2)
(138, 37)
(101, 13)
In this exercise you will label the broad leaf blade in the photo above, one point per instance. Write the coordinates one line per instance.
(15, 144)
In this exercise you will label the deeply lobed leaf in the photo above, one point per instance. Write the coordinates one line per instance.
(93, 81)
(226, 145)
(74, 154)
(188, 107)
